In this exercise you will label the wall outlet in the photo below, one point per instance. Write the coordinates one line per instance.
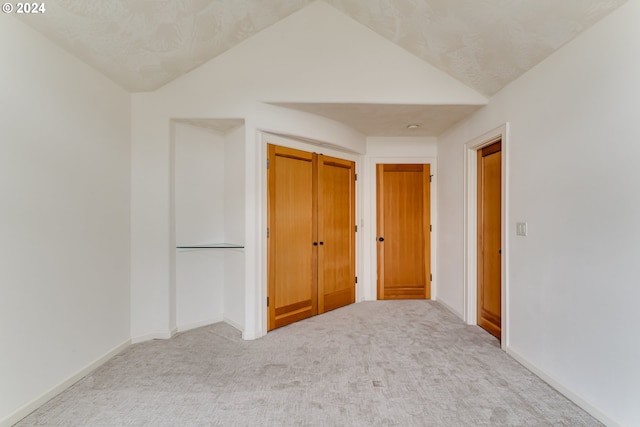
(521, 228)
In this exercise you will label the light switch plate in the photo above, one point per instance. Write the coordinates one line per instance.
(521, 228)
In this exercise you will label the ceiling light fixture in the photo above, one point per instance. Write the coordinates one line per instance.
(413, 126)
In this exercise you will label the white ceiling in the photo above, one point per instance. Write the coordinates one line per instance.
(485, 44)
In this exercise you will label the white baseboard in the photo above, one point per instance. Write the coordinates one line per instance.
(574, 397)
(233, 323)
(153, 336)
(189, 326)
(53, 392)
(184, 328)
(252, 335)
(451, 309)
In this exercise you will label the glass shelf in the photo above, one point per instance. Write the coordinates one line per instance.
(212, 246)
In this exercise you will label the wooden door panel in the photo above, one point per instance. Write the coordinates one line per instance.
(490, 239)
(336, 233)
(403, 223)
(311, 245)
(291, 219)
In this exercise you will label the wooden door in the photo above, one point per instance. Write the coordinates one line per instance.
(490, 239)
(311, 243)
(292, 278)
(336, 233)
(403, 231)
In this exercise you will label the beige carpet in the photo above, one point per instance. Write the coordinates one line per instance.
(383, 363)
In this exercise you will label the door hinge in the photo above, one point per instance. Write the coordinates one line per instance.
(430, 277)
(267, 163)
(356, 279)
(430, 227)
(356, 228)
(430, 178)
(356, 177)
(267, 232)
(267, 301)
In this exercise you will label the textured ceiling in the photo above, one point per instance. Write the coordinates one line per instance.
(143, 44)
(389, 119)
(485, 44)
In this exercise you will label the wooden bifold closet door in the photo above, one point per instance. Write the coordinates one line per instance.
(311, 236)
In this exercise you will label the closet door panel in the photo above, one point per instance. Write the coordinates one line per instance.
(292, 231)
(336, 233)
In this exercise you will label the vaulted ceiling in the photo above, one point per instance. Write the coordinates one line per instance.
(144, 44)
(485, 44)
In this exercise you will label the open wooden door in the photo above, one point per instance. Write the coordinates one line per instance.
(490, 239)
(403, 212)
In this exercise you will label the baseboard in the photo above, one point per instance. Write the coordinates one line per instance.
(53, 392)
(233, 323)
(154, 336)
(189, 326)
(253, 335)
(451, 309)
(574, 397)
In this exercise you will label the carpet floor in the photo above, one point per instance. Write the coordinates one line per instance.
(378, 363)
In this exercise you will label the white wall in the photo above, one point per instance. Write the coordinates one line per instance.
(573, 154)
(296, 59)
(234, 277)
(234, 185)
(199, 180)
(64, 221)
(402, 146)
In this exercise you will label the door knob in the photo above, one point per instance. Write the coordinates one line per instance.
(381, 239)
(321, 243)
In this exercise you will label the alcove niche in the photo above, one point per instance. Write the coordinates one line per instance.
(208, 218)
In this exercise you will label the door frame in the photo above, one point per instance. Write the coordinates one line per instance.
(471, 229)
(369, 290)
